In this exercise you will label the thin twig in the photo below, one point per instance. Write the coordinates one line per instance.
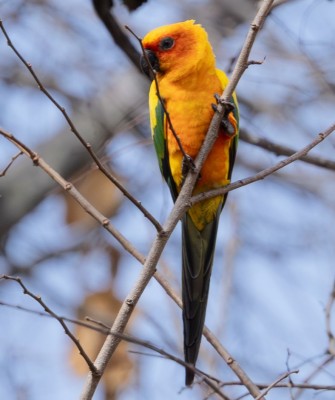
(280, 149)
(4, 171)
(328, 309)
(287, 385)
(275, 383)
(39, 300)
(75, 131)
(101, 330)
(266, 172)
(312, 375)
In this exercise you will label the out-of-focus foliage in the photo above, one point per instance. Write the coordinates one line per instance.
(104, 306)
(274, 266)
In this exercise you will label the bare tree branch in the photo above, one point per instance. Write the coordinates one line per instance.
(329, 306)
(70, 188)
(105, 330)
(54, 315)
(266, 172)
(127, 245)
(73, 128)
(275, 383)
(3, 172)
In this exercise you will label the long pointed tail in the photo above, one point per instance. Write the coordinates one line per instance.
(197, 253)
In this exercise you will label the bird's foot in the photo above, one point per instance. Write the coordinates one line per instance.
(187, 165)
(227, 126)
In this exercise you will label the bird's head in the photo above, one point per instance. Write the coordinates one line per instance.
(176, 49)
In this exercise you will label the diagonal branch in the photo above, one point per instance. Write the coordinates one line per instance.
(78, 135)
(266, 172)
(70, 188)
(48, 310)
(4, 171)
(275, 383)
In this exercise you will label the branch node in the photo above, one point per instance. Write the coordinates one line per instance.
(130, 302)
(68, 186)
(35, 159)
(255, 27)
(256, 62)
(162, 233)
(105, 222)
(230, 360)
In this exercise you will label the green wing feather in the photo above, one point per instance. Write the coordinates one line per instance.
(159, 130)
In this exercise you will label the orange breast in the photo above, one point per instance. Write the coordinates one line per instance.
(190, 119)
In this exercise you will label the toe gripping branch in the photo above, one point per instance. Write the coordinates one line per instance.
(229, 107)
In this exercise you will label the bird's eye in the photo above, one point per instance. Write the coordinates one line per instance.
(166, 43)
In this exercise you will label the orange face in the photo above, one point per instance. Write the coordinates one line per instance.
(168, 47)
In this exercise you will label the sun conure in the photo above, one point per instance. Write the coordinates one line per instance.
(184, 64)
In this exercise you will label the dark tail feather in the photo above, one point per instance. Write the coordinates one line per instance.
(198, 251)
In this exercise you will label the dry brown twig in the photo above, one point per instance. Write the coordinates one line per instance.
(4, 171)
(275, 383)
(55, 316)
(328, 309)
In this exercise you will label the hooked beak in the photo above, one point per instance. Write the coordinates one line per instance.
(153, 60)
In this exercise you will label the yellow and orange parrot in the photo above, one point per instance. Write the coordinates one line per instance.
(184, 65)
